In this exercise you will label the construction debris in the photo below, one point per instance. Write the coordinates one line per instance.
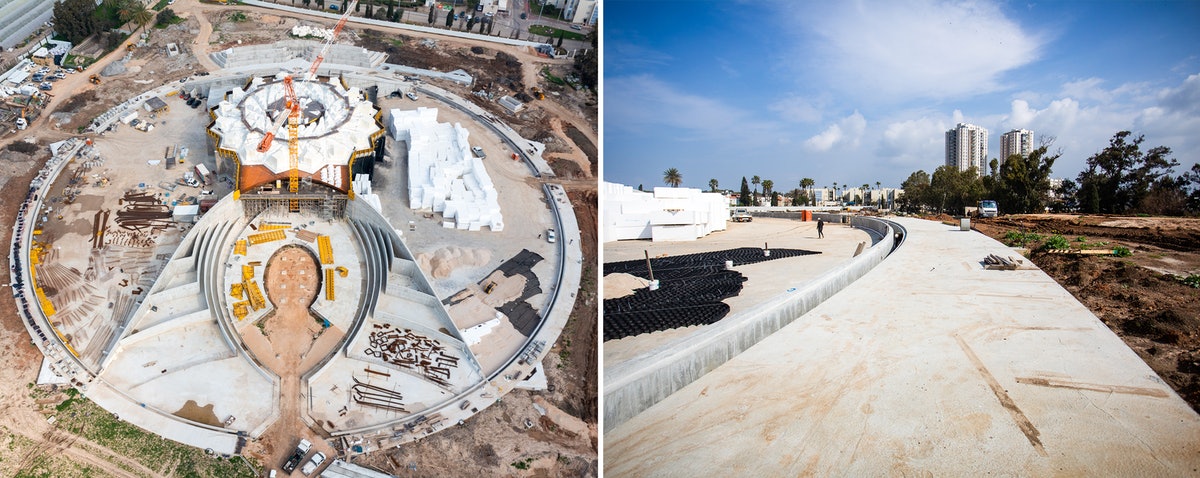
(994, 262)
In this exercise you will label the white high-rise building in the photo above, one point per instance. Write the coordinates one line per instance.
(1017, 141)
(966, 146)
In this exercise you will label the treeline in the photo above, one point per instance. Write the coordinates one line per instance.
(1120, 179)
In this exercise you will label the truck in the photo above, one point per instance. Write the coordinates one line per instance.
(297, 456)
(312, 464)
(203, 175)
(742, 214)
(987, 208)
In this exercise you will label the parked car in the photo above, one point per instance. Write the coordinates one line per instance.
(576, 27)
(478, 152)
(411, 96)
(312, 464)
(550, 236)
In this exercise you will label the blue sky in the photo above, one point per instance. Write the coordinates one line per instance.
(864, 91)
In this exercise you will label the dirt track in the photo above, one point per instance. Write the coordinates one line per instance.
(1142, 297)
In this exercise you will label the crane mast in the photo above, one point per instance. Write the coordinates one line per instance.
(292, 110)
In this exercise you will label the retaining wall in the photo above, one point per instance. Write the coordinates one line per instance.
(641, 382)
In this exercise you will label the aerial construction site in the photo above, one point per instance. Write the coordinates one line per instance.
(301, 242)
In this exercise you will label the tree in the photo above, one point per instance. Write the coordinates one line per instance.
(774, 198)
(768, 187)
(713, 184)
(916, 189)
(74, 20)
(588, 63)
(807, 184)
(744, 196)
(390, 11)
(672, 177)
(951, 190)
(1023, 185)
(432, 14)
(1121, 175)
(756, 181)
(450, 18)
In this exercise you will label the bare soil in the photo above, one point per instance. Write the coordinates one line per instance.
(1142, 298)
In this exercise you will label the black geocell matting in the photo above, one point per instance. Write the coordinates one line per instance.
(691, 288)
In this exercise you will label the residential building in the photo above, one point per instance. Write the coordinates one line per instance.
(1017, 141)
(967, 146)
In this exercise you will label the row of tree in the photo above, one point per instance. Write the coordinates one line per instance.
(1120, 179)
(78, 19)
(802, 196)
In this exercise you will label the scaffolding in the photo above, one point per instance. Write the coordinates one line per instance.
(264, 237)
(327, 207)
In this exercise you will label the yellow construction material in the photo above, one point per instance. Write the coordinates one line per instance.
(239, 247)
(247, 272)
(64, 341)
(237, 291)
(342, 271)
(329, 284)
(326, 249)
(268, 236)
(240, 309)
(47, 306)
(256, 297)
(264, 227)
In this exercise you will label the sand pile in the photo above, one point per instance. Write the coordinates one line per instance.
(619, 285)
(442, 262)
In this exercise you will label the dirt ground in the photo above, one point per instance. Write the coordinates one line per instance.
(1142, 298)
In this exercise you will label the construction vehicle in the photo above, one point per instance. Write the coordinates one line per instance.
(297, 456)
(95, 79)
(537, 93)
(22, 123)
(742, 214)
(312, 464)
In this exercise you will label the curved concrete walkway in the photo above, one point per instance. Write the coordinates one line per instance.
(926, 365)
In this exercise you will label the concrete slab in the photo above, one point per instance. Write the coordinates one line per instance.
(928, 364)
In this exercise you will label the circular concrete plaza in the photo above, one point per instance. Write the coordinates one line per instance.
(351, 320)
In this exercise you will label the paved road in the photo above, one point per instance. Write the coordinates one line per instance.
(927, 365)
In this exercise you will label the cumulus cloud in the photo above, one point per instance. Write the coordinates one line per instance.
(914, 142)
(1183, 99)
(922, 49)
(846, 132)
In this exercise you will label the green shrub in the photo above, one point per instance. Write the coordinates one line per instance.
(1192, 281)
(1122, 251)
(1056, 242)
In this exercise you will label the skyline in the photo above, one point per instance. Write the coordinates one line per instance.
(864, 92)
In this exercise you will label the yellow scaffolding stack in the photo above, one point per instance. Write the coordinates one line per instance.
(237, 291)
(239, 247)
(326, 249)
(262, 237)
(240, 309)
(256, 297)
(329, 284)
(247, 273)
(265, 227)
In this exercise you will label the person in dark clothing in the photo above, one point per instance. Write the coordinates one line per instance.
(820, 228)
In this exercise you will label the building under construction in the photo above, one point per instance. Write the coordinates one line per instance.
(305, 164)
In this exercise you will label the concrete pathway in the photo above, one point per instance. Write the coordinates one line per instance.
(927, 365)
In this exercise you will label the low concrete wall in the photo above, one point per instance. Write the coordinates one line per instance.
(643, 381)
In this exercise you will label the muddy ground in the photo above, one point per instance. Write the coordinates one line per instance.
(1145, 298)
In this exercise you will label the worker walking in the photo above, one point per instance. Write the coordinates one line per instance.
(820, 228)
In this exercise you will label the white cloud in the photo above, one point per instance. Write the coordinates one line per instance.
(798, 109)
(924, 49)
(1183, 99)
(643, 103)
(920, 142)
(846, 132)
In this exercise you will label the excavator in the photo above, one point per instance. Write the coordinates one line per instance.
(95, 79)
